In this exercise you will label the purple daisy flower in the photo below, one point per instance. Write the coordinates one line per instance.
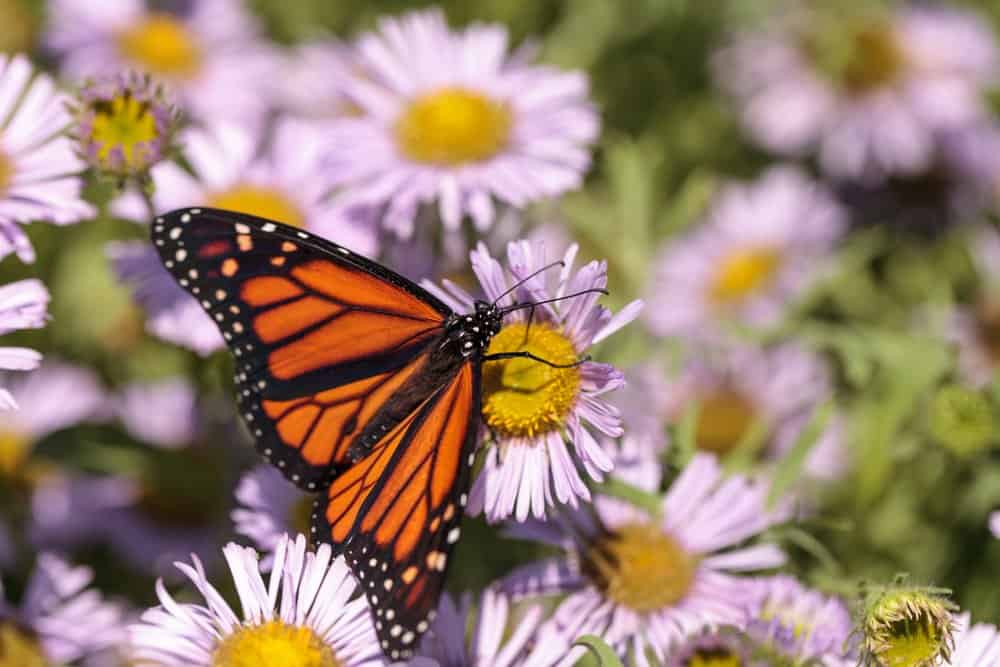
(23, 305)
(975, 645)
(269, 508)
(59, 619)
(909, 76)
(314, 79)
(235, 169)
(451, 118)
(38, 167)
(54, 397)
(761, 247)
(124, 124)
(499, 638)
(645, 582)
(208, 51)
(801, 624)
(163, 413)
(994, 524)
(743, 389)
(532, 408)
(307, 609)
(723, 646)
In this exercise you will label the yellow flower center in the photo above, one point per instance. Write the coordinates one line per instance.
(742, 273)
(640, 567)
(19, 26)
(453, 126)
(524, 397)
(18, 649)
(126, 126)
(875, 60)
(14, 450)
(259, 200)
(714, 657)
(274, 643)
(162, 45)
(6, 173)
(724, 418)
(912, 643)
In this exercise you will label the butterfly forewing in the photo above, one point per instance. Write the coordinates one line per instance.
(322, 337)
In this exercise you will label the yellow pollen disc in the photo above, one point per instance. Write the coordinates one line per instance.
(262, 201)
(453, 126)
(742, 273)
(641, 568)
(719, 657)
(162, 45)
(14, 449)
(19, 27)
(125, 124)
(724, 418)
(911, 643)
(18, 649)
(274, 643)
(524, 397)
(6, 173)
(876, 59)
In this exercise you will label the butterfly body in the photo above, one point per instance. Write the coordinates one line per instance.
(357, 384)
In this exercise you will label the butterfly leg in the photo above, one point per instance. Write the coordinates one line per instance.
(499, 356)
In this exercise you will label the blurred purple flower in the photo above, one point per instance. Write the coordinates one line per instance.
(644, 582)
(38, 167)
(163, 413)
(451, 118)
(269, 508)
(994, 524)
(975, 645)
(306, 610)
(314, 78)
(60, 619)
(876, 111)
(238, 169)
(498, 637)
(740, 388)
(208, 52)
(171, 314)
(23, 305)
(54, 397)
(69, 509)
(801, 624)
(761, 246)
(532, 408)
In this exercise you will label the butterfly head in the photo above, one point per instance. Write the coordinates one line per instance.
(473, 331)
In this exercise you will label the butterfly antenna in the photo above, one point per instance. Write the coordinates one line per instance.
(533, 304)
(524, 280)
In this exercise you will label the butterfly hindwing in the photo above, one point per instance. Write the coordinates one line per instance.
(395, 514)
(322, 338)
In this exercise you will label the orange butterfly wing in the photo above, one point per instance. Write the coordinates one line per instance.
(395, 514)
(323, 338)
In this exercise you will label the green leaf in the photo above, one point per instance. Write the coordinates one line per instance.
(618, 488)
(686, 430)
(790, 467)
(605, 655)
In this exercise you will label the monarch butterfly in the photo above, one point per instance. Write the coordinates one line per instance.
(355, 382)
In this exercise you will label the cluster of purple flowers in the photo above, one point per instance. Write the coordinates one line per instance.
(657, 496)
